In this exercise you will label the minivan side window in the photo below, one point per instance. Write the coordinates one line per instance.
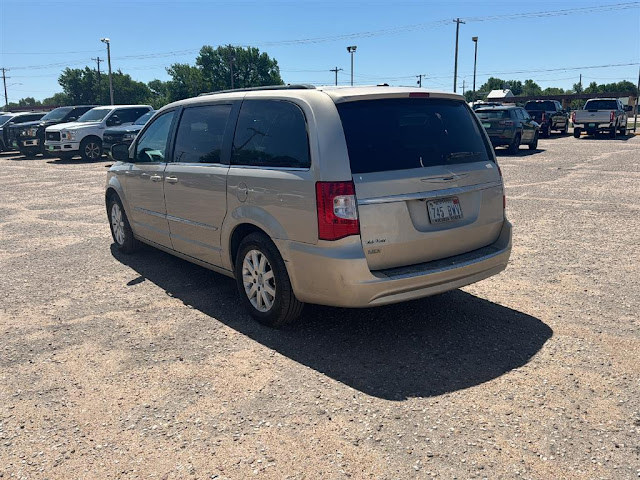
(152, 145)
(201, 133)
(271, 133)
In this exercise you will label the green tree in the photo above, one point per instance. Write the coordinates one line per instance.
(237, 67)
(159, 93)
(553, 91)
(186, 81)
(531, 88)
(83, 86)
(58, 100)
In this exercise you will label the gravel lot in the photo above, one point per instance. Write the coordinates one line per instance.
(145, 366)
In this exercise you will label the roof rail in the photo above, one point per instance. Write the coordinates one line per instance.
(268, 87)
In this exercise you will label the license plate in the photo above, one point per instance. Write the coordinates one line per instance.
(592, 124)
(444, 210)
(486, 125)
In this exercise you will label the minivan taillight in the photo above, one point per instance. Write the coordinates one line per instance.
(337, 210)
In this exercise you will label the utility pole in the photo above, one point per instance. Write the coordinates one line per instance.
(4, 80)
(475, 61)
(108, 42)
(336, 70)
(419, 77)
(98, 60)
(580, 82)
(635, 118)
(352, 50)
(457, 21)
(231, 72)
(463, 87)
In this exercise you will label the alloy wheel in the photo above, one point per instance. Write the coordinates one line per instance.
(258, 280)
(117, 223)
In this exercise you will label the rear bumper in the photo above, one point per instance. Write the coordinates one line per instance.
(340, 276)
(593, 126)
(499, 139)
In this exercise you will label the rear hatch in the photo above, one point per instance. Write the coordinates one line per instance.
(425, 177)
(495, 122)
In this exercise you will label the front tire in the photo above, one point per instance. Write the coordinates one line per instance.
(120, 227)
(91, 149)
(263, 282)
(576, 132)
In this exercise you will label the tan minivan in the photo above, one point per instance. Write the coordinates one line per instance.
(351, 197)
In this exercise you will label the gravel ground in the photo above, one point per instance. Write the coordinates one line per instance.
(145, 366)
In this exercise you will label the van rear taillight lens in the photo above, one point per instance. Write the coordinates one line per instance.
(337, 210)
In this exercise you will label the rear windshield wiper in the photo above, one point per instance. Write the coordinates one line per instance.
(455, 155)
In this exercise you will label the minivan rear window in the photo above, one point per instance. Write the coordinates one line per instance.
(405, 133)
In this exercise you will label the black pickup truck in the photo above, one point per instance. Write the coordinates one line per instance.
(29, 137)
(549, 114)
(8, 121)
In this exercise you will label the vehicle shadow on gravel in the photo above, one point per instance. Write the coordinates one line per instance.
(421, 348)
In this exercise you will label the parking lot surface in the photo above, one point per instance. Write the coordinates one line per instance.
(145, 366)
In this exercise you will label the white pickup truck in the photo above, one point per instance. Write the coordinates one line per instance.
(600, 115)
(84, 136)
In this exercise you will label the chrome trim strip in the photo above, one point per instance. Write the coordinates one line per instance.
(171, 218)
(256, 167)
(447, 192)
(150, 212)
(176, 219)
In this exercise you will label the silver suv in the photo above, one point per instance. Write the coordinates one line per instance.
(351, 197)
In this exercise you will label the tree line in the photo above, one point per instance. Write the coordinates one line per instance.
(216, 69)
(229, 67)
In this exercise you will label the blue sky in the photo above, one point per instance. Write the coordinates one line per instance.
(396, 40)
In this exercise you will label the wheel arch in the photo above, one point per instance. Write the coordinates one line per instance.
(240, 232)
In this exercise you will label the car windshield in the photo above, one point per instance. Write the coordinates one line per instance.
(405, 133)
(546, 105)
(56, 114)
(4, 119)
(492, 114)
(94, 115)
(601, 105)
(144, 118)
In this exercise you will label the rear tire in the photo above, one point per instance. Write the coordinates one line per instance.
(515, 145)
(263, 282)
(534, 145)
(120, 227)
(546, 133)
(576, 132)
(623, 130)
(565, 130)
(613, 132)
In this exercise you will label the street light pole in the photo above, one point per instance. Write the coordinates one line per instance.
(457, 21)
(352, 50)
(475, 60)
(108, 42)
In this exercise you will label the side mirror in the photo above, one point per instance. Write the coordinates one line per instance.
(114, 120)
(72, 119)
(120, 152)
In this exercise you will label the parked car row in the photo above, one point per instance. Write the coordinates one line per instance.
(69, 131)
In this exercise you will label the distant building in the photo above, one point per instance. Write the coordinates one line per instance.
(500, 95)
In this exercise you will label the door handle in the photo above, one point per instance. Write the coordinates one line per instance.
(128, 172)
(172, 179)
(155, 178)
